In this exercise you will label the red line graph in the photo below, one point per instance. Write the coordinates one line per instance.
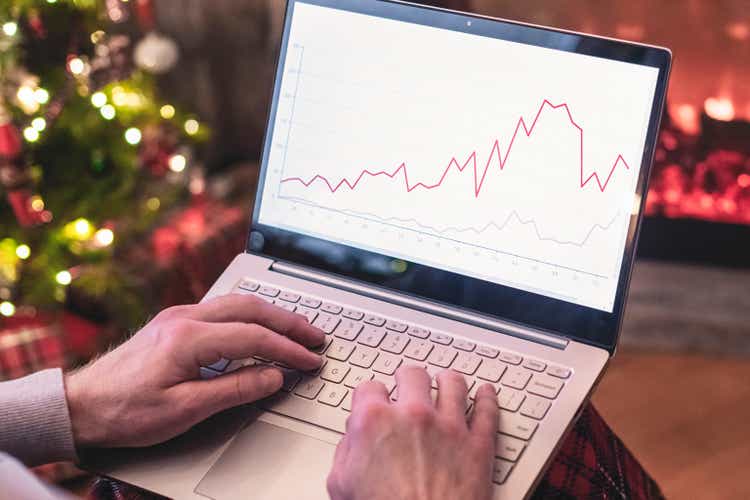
(472, 159)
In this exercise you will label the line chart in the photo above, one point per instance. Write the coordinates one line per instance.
(502, 161)
(405, 143)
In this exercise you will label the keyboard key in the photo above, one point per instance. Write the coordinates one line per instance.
(364, 356)
(487, 352)
(352, 314)
(508, 448)
(248, 285)
(418, 331)
(331, 308)
(334, 372)
(386, 364)
(533, 364)
(516, 425)
(542, 385)
(371, 319)
(326, 322)
(220, 365)
(289, 297)
(418, 349)
(510, 399)
(311, 303)
(442, 356)
(535, 407)
(502, 470)
(309, 387)
(466, 363)
(268, 291)
(308, 410)
(333, 395)
(558, 371)
(357, 376)
(309, 314)
(511, 358)
(490, 371)
(348, 329)
(395, 343)
(464, 345)
(441, 338)
(291, 378)
(286, 306)
(372, 336)
(516, 378)
(433, 371)
(322, 348)
(347, 405)
(395, 326)
(340, 350)
(388, 382)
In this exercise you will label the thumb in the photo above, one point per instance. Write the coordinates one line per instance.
(236, 388)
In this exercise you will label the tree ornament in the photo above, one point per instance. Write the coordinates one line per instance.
(156, 53)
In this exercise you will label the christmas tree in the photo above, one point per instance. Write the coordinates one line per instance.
(90, 153)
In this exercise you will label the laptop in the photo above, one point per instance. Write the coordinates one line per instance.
(436, 188)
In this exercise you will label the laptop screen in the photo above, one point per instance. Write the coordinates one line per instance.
(486, 157)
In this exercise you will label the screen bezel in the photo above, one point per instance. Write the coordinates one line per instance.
(585, 324)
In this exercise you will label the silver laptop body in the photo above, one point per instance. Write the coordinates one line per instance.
(427, 196)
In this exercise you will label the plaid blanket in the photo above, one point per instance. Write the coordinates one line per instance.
(592, 463)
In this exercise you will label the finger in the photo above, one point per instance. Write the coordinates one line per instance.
(413, 385)
(369, 392)
(207, 397)
(452, 391)
(339, 466)
(249, 309)
(211, 342)
(484, 419)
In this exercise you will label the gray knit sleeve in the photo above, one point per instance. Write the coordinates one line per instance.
(34, 419)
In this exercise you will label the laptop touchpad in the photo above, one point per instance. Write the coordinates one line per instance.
(270, 462)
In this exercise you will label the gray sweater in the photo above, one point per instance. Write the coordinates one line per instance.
(34, 428)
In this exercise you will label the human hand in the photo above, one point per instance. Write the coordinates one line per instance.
(149, 389)
(414, 449)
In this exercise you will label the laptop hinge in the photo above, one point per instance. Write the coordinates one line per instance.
(456, 314)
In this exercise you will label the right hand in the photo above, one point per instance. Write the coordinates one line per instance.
(413, 449)
(149, 389)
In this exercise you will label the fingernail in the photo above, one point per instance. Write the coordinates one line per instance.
(272, 378)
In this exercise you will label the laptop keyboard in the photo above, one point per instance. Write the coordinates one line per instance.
(361, 346)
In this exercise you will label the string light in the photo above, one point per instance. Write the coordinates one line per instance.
(104, 237)
(96, 36)
(76, 66)
(82, 228)
(7, 309)
(192, 126)
(133, 136)
(64, 278)
(38, 124)
(31, 134)
(167, 111)
(37, 204)
(10, 28)
(41, 95)
(27, 99)
(23, 252)
(107, 111)
(98, 99)
(153, 204)
(177, 163)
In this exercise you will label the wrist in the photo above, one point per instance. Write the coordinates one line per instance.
(87, 432)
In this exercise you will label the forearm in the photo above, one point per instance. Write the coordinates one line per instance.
(34, 419)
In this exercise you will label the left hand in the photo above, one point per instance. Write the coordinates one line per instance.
(149, 390)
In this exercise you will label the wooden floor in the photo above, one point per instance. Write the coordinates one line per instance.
(685, 417)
